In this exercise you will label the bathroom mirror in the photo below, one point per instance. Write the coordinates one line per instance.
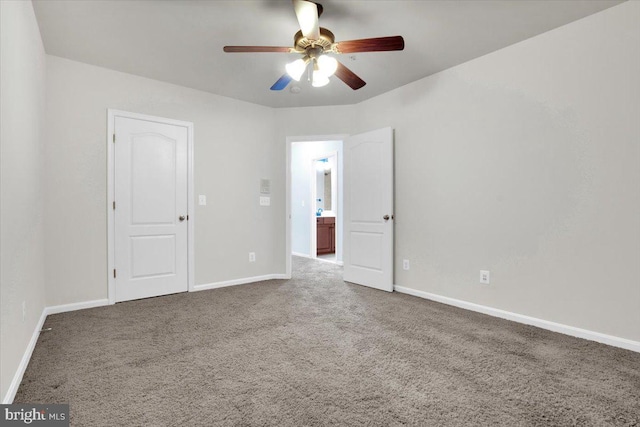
(325, 169)
(327, 190)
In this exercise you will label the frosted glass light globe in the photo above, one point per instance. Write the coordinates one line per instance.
(319, 79)
(327, 65)
(296, 68)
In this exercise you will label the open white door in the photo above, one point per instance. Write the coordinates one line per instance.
(368, 209)
(151, 208)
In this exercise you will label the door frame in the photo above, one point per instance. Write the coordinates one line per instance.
(289, 142)
(313, 238)
(111, 117)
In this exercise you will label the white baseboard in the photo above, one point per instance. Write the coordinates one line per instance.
(24, 362)
(520, 318)
(527, 320)
(26, 357)
(235, 282)
(300, 255)
(76, 306)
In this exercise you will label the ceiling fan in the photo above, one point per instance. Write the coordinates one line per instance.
(314, 43)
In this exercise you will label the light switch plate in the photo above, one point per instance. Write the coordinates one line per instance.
(265, 201)
(202, 200)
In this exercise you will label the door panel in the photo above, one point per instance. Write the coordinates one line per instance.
(368, 188)
(366, 250)
(153, 179)
(151, 255)
(366, 158)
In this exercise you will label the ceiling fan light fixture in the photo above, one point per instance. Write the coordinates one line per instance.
(327, 65)
(296, 68)
(315, 42)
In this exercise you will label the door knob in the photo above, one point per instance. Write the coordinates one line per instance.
(386, 217)
(181, 217)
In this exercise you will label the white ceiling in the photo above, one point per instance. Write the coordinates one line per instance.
(181, 41)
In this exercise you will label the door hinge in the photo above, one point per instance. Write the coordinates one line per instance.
(114, 137)
(114, 205)
(114, 273)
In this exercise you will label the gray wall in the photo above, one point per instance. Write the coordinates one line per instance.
(234, 145)
(526, 162)
(22, 85)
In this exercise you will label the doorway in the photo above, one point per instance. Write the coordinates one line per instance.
(150, 209)
(365, 201)
(305, 157)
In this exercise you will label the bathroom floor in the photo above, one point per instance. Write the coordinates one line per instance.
(328, 257)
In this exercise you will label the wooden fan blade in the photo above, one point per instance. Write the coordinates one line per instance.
(349, 77)
(378, 44)
(307, 14)
(282, 82)
(241, 49)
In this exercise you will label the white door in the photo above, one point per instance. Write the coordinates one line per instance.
(368, 209)
(151, 167)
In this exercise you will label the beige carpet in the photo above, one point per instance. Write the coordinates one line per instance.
(317, 351)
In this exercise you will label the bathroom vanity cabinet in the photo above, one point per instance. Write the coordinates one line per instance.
(326, 235)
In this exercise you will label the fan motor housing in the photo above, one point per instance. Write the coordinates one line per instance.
(302, 44)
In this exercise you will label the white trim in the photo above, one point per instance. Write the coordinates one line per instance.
(76, 306)
(313, 222)
(191, 212)
(26, 357)
(243, 281)
(527, 320)
(111, 243)
(289, 141)
(24, 362)
(301, 255)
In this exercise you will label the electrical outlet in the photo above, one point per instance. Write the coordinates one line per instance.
(484, 277)
(405, 264)
(265, 201)
(24, 310)
(252, 257)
